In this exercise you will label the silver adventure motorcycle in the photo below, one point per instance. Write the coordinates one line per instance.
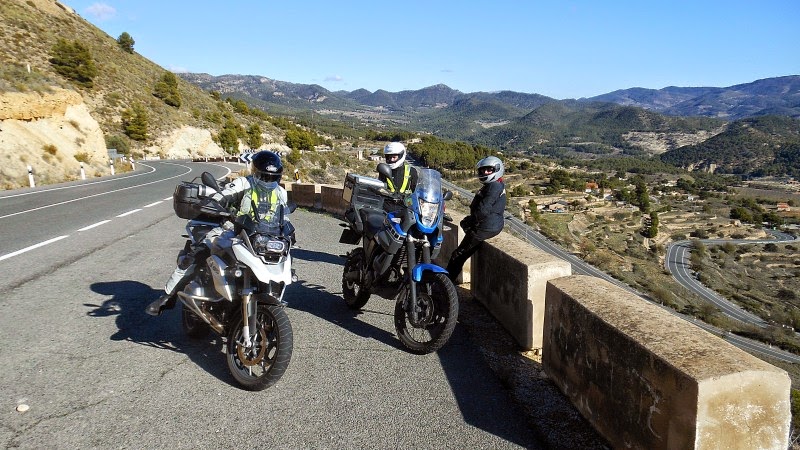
(238, 285)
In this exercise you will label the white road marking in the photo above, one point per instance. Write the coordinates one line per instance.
(129, 212)
(41, 244)
(97, 195)
(41, 191)
(95, 225)
(153, 204)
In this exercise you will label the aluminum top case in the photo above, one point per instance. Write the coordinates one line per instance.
(359, 191)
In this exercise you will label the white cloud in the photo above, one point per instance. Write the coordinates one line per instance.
(448, 70)
(178, 69)
(101, 11)
(334, 78)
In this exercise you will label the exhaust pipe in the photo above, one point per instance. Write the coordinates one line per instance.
(191, 301)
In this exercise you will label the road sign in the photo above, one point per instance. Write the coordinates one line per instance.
(246, 158)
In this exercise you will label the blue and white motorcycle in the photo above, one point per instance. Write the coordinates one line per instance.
(394, 259)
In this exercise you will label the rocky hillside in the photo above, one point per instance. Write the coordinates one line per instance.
(51, 123)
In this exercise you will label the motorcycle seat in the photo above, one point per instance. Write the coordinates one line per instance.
(373, 221)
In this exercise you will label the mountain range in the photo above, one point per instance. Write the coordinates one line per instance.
(770, 96)
(675, 122)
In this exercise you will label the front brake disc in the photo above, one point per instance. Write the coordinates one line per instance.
(245, 353)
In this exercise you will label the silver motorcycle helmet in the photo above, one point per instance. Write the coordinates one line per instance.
(490, 169)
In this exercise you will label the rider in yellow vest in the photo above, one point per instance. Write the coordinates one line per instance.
(257, 195)
(404, 177)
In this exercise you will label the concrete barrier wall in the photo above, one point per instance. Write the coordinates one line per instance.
(509, 277)
(331, 199)
(305, 195)
(647, 379)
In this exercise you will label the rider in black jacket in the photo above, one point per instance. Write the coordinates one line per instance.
(486, 214)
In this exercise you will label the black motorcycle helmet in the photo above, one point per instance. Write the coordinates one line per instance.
(267, 166)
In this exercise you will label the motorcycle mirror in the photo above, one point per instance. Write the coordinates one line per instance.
(447, 195)
(210, 181)
(384, 170)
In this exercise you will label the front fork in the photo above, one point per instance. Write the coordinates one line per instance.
(248, 311)
(411, 253)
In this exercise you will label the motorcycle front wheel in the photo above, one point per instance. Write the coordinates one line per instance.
(437, 304)
(355, 296)
(260, 365)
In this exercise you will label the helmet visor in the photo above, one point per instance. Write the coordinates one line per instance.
(391, 159)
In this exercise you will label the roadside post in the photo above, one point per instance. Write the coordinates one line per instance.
(30, 176)
(111, 164)
(83, 173)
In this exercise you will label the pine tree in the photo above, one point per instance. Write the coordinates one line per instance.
(73, 60)
(167, 89)
(254, 139)
(135, 123)
(126, 42)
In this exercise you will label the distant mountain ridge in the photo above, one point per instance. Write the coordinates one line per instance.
(777, 96)
(679, 122)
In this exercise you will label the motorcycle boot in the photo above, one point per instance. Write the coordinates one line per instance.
(180, 276)
(166, 301)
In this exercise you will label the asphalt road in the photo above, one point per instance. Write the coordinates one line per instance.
(78, 264)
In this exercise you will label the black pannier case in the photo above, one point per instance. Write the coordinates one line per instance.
(188, 204)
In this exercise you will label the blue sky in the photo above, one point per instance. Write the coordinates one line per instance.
(562, 49)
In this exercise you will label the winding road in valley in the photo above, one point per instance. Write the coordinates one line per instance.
(677, 263)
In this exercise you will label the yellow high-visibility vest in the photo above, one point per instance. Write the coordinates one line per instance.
(406, 178)
(255, 201)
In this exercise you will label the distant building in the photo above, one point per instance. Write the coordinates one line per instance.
(783, 207)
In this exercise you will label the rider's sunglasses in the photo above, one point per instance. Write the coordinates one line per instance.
(392, 158)
(486, 170)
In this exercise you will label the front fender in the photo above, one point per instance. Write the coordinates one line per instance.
(416, 272)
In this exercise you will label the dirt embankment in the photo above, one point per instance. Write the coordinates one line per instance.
(54, 132)
(46, 131)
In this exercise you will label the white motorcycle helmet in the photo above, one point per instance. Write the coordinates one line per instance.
(395, 154)
(490, 169)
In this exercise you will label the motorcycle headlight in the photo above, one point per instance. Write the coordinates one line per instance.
(428, 213)
(263, 244)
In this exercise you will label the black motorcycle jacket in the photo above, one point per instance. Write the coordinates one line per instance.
(487, 210)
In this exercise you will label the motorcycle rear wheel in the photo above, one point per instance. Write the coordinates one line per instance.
(193, 326)
(260, 366)
(355, 296)
(438, 302)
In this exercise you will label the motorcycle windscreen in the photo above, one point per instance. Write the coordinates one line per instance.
(427, 199)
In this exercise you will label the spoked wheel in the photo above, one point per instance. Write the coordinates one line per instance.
(261, 364)
(192, 325)
(437, 304)
(352, 291)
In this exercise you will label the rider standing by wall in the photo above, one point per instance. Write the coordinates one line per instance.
(486, 214)
(257, 195)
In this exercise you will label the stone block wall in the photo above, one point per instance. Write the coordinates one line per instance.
(647, 379)
(509, 277)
